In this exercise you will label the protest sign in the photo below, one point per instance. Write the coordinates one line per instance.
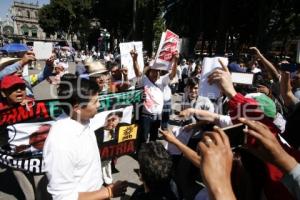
(42, 50)
(208, 66)
(114, 132)
(23, 130)
(126, 59)
(168, 46)
(242, 78)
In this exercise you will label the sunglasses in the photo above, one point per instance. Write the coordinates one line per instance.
(17, 87)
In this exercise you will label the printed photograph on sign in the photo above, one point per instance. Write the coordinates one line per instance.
(114, 132)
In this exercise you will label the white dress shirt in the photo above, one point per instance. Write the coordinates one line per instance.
(72, 160)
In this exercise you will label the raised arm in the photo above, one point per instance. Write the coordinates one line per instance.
(207, 116)
(186, 151)
(286, 90)
(28, 57)
(267, 64)
(136, 67)
(174, 66)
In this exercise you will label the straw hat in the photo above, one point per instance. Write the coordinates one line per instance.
(95, 68)
(5, 61)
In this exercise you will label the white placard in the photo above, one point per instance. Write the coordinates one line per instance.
(209, 65)
(126, 59)
(42, 50)
(242, 78)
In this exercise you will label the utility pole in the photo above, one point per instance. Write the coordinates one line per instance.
(134, 20)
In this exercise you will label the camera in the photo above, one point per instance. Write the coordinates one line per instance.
(237, 137)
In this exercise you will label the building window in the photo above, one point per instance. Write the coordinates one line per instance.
(8, 30)
(28, 13)
(24, 30)
(34, 31)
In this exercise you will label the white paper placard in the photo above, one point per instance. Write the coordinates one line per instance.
(42, 50)
(242, 78)
(126, 59)
(209, 65)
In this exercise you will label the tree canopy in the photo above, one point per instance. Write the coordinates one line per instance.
(221, 25)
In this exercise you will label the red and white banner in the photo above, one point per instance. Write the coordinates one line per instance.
(169, 45)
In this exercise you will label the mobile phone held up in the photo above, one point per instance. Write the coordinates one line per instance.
(289, 67)
(236, 135)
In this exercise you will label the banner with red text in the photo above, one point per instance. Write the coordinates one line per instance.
(23, 130)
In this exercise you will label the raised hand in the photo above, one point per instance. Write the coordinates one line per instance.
(28, 57)
(268, 148)
(168, 136)
(134, 54)
(222, 78)
(216, 164)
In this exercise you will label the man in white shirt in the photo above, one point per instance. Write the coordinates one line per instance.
(154, 97)
(71, 155)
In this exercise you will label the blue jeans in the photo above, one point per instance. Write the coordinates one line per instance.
(166, 114)
(149, 124)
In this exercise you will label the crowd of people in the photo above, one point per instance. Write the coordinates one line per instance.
(266, 166)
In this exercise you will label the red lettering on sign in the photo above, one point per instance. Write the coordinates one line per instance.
(41, 110)
(117, 150)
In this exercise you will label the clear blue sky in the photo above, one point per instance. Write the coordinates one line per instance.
(6, 4)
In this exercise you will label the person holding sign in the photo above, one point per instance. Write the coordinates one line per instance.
(13, 94)
(154, 96)
(71, 154)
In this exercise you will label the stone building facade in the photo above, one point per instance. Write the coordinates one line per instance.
(23, 25)
(25, 19)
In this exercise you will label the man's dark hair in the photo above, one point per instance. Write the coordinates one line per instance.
(76, 91)
(192, 82)
(64, 80)
(110, 65)
(155, 166)
(118, 113)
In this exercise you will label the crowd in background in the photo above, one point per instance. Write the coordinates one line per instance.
(265, 167)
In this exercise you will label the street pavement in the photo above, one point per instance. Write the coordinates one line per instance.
(9, 189)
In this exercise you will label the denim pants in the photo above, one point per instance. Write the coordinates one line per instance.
(149, 124)
(166, 114)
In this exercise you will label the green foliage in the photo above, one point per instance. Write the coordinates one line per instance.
(249, 22)
(66, 16)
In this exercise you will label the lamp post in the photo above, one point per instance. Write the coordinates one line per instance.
(105, 35)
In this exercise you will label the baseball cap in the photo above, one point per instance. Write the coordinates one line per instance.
(9, 81)
(265, 103)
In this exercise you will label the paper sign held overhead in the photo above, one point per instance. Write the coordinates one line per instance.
(209, 65)
(42, 50)
(168, 46)
(242, 78)
(126, 59)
